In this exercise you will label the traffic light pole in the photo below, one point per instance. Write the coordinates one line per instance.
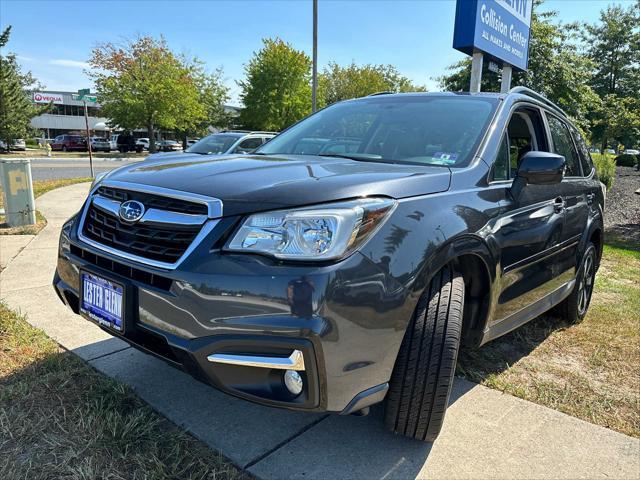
(86, 123)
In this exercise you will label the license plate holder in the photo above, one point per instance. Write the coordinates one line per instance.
(103, 301)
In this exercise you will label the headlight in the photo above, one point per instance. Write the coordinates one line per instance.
(323, 232)
(98, 178)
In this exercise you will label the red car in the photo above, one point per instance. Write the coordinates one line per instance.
(67, 143)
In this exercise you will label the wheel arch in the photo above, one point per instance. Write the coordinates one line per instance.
(473, 259)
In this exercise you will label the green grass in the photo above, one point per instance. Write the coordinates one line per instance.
(39, 188)
(59, 418)
(588, 370)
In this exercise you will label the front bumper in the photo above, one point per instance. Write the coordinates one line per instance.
(347, 319)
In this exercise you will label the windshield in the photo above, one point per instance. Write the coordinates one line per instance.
(216, 143)
(411, 129)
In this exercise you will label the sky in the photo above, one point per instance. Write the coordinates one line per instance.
(54, 39)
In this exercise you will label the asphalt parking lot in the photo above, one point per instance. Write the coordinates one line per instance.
(58, 168)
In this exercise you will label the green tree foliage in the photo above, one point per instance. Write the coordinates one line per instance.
(142, 83)
(16, 109)
(556, 68)
(276, 91)
(613, 45)
(338, 83)
(213, 96)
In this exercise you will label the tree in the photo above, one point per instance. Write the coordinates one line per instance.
(613, 45)
(213, 96)
(338, 83)
(142, 83)
(556, 68)
(276, 91)
(16, 109)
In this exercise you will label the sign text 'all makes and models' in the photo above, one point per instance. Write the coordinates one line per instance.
(499, 28)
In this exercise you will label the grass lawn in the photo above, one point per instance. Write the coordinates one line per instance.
(39, 187)
(588, 370)
(59, 418)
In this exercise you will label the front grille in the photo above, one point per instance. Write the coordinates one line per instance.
(162, 243)
(154, 201)
(141, 276)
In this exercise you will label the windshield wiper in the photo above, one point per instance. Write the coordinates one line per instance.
(359, 157)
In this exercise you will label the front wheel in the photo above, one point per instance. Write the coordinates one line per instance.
(423, 374)
(574, 308)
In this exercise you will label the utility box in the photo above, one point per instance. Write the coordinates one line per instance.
(17, 187)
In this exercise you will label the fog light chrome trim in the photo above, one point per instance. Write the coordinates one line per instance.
(295, 361)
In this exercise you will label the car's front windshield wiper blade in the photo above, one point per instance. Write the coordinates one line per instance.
(359, 157)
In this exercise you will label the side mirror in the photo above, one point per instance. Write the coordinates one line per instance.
(541, 168)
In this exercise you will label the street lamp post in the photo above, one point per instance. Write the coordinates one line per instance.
(314, 78)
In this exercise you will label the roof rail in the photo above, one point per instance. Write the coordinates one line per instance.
(387, 92)
(246, 131)
(537, 96)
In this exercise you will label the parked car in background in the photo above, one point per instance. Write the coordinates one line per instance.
(631, 151)
(69, 143)
(230, 142)
(610, 151)
(168, 146)
(345, 261)
(192, 141)
(126, 143)
(594, 150)
(113, 140)
(17, 144)
(100, 144)
(144, 142)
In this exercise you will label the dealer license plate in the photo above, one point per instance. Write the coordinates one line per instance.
(102, 300)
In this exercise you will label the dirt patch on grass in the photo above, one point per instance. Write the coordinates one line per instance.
(588, 370)
(59, 418)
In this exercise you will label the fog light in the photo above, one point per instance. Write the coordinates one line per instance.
(293, 382)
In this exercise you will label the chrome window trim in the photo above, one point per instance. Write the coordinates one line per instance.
(214, 206)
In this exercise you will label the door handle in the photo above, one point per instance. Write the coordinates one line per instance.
(558, 204)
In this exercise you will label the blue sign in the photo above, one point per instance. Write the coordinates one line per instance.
(499, 28)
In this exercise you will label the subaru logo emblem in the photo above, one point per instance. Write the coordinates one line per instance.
(131, 211)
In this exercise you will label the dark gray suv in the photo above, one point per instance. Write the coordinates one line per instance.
(344, 262)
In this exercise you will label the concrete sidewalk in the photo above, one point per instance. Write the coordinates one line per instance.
(487, 434)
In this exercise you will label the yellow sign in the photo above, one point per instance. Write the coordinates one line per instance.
(17, 181)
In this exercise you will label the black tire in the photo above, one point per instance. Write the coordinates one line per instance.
(574, 308)
(423, 374)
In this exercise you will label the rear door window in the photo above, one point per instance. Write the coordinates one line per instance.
(583, 152)
(563, 145)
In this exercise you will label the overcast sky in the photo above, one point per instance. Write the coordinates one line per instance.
(54, 39)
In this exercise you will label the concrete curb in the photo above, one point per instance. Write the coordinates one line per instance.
(486, 434)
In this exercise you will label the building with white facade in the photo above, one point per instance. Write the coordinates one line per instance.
(67, 115)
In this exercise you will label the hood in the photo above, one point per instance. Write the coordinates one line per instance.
(253, 183)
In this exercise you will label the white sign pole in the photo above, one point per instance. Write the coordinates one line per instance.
(476, 72)
(505, 85)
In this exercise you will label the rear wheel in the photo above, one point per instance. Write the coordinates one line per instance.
(423, 374)
(574, 307)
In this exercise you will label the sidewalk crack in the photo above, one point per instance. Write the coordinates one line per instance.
(284, 442)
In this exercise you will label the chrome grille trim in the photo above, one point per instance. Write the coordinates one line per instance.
(163, 217)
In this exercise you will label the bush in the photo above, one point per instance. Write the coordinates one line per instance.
(605, 167)
(626, 160)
